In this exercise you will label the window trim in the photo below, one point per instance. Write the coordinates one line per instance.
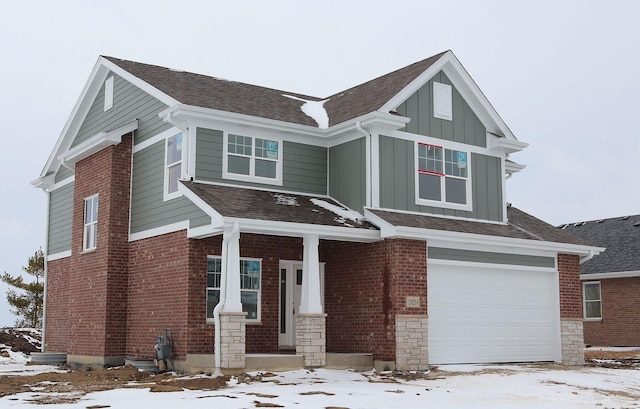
(251, 177)
(584, 300)
(257, 320)
(92, 225)
(442, 203)
(166, 194)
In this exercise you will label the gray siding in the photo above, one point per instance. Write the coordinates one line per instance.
(397, 188)
(347, 174)
(304, 167)
(148, 209)
(488, 257)
(60, 219)
(464, 128)
(63, 173)
(129, 103)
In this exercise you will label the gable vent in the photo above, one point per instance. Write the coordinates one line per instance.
(442, 101)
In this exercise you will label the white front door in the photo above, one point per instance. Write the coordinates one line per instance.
(290, 290)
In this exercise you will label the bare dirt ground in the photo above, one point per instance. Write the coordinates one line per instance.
(70, 386)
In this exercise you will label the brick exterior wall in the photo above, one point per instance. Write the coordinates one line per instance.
(620, 325)
(98, 279)
(57, 307)
(571, 330)
(365, 287)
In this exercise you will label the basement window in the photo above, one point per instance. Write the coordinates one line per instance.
(592, 300)
(250, 294)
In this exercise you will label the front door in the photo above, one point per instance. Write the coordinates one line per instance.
(290, 291)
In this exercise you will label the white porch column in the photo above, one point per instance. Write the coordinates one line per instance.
(231, 271)
(310, 302)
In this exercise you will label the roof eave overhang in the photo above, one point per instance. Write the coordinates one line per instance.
(614, 274)
(183, 115)
(479, 242)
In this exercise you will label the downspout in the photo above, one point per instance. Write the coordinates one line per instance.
(368, 154)
(46, 268)
(587, 257)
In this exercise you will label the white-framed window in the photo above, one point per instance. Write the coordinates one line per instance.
(108, 94)
(173, 166)
(442, 101)
(592, 300)
(90, 231)
(250, 283)
(443, 177)
(252, 159)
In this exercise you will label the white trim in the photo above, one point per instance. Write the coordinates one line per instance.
(63, 183)
(584, 301)
(108, 94)
(92, 225)
(375, 169)
(155, 139)
(490, 266)
(217, 221)
(166, 195)
(58, 256)
(442, 142)
(97, 143)
(613, 274)
(157, 231)
(267, 189)
(251, 177)
(439, 216)
(442, 101)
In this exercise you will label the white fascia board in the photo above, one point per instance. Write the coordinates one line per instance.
(615, 274)
(290, 229)
(513, 167)
(46, 182)
(157, 231)
(58, 256)
(465, 85)
(216, 218)
(508, 146)
(386, 229)
(97, 142)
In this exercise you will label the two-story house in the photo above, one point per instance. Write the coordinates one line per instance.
(252, 221)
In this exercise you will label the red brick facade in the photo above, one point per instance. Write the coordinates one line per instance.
(365, 287)
(620, 325)
(57, 305)
(570, 286)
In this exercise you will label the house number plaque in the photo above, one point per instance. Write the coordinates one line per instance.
(413, 302)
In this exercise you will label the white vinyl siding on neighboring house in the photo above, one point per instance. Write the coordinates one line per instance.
(252, 159)
(90, 231)
(250, 284)
(592, 300)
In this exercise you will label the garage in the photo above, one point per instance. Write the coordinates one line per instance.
(491, 313)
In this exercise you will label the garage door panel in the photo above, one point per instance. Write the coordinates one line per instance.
(481, 315)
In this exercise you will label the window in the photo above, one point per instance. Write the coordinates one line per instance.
(592, 300)
(250, 275)
(252, 159)
(442, 101)
(108, 94)
(173, 165)
(442, 177)
(90, 234)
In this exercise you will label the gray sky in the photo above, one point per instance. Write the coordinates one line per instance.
(564, 76)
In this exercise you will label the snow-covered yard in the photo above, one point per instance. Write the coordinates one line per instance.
(500, 386)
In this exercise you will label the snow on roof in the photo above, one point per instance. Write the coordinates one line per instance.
(342, 213)
(315, 110)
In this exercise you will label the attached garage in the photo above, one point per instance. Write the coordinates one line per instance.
(486, 313)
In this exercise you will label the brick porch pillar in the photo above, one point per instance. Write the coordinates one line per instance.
(311, 341)
(571, 321)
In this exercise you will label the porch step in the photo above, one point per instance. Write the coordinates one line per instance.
(273, 362)
(359, 362)
(48, 358)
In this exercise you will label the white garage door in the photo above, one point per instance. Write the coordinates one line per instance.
(482, 315)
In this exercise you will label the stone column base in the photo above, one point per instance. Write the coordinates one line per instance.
(412, 347)
(311, 341)
(571, 331)
(232, 339)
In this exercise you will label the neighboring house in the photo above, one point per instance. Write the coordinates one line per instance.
(611, 281)
(253, 221)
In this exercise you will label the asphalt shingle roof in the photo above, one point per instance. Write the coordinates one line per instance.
(620, 236)
(231, 96)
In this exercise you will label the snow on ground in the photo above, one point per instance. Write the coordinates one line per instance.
(460, 386)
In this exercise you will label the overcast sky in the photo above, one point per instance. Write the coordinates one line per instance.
(564, 76)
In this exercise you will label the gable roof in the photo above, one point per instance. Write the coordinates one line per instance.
(621, 237)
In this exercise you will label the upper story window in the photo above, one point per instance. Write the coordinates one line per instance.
(108, 94)
(90, 232)
(173, 166)
(250, 276)
(592, 301)
(443, 177)
(252, 159)
(442, 101)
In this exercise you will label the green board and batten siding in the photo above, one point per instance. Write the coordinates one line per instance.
(347, 174)
(397, 186)
(488, 257)
(465, 127)
(129, 103)
(304, 167)
(60, 219)
(148, 208)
